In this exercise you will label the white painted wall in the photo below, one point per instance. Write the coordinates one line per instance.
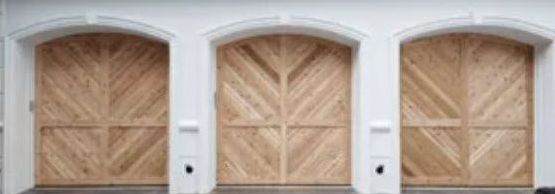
(2, 24)
(381, 19)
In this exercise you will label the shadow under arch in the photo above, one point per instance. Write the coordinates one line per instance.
(540, 37)
(19, 45)
(250, 27)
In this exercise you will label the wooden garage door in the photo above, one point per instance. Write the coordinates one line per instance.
(284, 111)
(102, 108)
(467, 111)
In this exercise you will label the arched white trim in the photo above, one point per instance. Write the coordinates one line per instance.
(18, 141)
(541, 37)
(212, 37)
(412, 31)
(476, 23)
(284, 23)
(123, 23)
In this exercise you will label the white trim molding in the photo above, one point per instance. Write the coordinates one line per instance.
(284, 23)
(19, 91)
(209, 40)
(478, 23)
(541, 37)
(91, 19)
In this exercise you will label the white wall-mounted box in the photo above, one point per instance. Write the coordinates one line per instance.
(188, 138)
(381, 139)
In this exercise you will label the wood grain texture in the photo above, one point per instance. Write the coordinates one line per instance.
(467, 111)
(432, 154)
(284, 111)
(107, 92)
(71, 155)
(500, 90)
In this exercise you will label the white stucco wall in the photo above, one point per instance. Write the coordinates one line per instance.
(2, 24)
(380, 19)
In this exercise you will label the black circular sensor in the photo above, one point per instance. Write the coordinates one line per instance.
(189, 169)
(380, 169)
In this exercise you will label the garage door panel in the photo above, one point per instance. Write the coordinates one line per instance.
(70, 155)
(317, 68)
(115, 87)
(144, 99)
(265, 51)
(244, 103)
(138, 82)
(246, 94)
(494, 95)
(249, 155)
(300, 51)
(319, 86)
(297, 85)
(136, 154)
(71, 92)
(500, 153)
(74, 52)
(329, 101)
(318, 155)
(498, 80)
(431, 76)
(244, 60)
(432, 153)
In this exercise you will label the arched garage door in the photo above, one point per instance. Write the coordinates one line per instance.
(284, 111)
(467, 111)
(102, 108)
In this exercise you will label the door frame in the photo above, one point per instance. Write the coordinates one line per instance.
(19, 64)
(540, 37)
(211, 38)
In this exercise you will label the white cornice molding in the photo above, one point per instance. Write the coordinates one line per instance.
(473, 19)
(354, 33)
(520, 24)
(237, 26)
(91, 20)
(422, 28)
(283, 20)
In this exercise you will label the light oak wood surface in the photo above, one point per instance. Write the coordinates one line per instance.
(284, 111)
(467, 111)
(102, 110)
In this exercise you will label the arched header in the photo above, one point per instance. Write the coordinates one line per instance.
(61, 26)
(285, 24)
(512, 28)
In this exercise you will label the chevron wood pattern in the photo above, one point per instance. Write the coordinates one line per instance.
(105, 97)
(284, 111)
(467, 111)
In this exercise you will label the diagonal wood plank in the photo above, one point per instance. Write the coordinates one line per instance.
(70, 154)
(479, 87)
(102, 108)
(283, 111)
